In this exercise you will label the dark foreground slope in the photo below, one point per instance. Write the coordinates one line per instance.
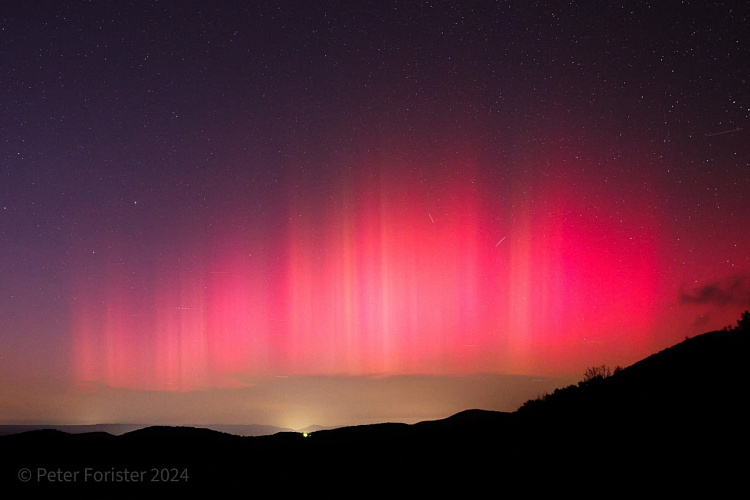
(671, 423)
(679, 417)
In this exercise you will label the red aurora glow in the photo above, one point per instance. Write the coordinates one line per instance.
(385, 273)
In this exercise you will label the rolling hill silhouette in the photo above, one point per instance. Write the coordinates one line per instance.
(674, 422)
(118, 429)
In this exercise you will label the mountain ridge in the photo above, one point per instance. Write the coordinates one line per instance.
(673, 419)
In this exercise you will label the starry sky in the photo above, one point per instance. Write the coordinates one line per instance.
(297, 213)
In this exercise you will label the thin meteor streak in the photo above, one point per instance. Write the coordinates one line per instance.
(498, 243)
(724, 132)
(433, 220)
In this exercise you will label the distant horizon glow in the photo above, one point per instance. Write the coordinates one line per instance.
(293, 402)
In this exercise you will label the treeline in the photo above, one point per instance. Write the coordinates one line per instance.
(594, 389)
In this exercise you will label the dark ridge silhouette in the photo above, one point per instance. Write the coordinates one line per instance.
(673, 423)
(692, 379)
(115, 429)
(119, 429)
(247, 430)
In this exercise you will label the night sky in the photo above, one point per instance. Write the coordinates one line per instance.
(333, 213)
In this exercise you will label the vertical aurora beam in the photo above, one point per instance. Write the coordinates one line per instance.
(386, 283)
